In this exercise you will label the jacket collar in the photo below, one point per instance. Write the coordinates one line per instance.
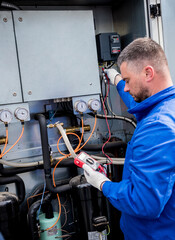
(153, 100)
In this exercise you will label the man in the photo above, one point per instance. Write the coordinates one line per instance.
(146, 194)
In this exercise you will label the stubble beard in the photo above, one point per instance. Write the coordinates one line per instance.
(141, 95)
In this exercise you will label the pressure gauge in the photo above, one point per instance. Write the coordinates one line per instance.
(94, 104)
(6, 116)
(80, 106)
(21, 113)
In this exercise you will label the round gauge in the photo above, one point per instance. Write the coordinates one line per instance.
(6, 116)
(21, 113)
(80, 106)
(94, 104)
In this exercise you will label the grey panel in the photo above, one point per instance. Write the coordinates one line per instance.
(9, 72)
(57, 54)
(168, 19)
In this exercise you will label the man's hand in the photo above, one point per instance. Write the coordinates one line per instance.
(93, 177)
(113, 76)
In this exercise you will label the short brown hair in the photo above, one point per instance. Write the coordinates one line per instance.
(143, 50)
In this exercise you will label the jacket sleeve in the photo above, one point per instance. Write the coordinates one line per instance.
(151, 173)
(125, 96)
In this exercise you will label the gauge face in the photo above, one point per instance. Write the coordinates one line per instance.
(94, 104)
(21, 113)
(80, 106)
(6, 116)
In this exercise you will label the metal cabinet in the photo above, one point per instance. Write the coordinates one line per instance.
(162, 28)
(9, 72)
(57, 54)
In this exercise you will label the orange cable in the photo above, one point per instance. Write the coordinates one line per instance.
(80, 140)
(66, 155)
(15, 142)
(6, 140)
(59, 203)
(60, 139)
(78, 149)
(90, 134)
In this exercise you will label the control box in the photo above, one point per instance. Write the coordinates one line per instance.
(108, 46)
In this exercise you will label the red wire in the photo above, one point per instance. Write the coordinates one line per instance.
(107, 124)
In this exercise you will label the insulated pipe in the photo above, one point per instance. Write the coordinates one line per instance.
(13, 171)
(46, 156)
(20, 187)
(17, 170)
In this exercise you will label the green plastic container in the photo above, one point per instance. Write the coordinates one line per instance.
(46, 223)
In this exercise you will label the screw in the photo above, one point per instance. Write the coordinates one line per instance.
(29, 92)
(20, 19)
(5, 19)
(90, 84)
(14, 94)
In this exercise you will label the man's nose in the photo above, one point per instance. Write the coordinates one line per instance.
(126, 89)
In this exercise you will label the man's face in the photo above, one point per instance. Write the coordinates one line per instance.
(134, 82)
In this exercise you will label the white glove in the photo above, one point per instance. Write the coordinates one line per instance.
(93, 177)
(113, 76)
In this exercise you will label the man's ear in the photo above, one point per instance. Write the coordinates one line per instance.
(149, 73)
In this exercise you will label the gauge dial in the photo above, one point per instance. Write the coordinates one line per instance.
(80, 106)
(6, 116)
(94, 104)
(21, 113)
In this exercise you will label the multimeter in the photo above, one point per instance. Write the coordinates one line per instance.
(84, 158)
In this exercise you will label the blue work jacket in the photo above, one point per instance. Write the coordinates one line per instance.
(146, 194)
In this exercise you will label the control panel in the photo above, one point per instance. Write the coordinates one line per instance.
(108, 46)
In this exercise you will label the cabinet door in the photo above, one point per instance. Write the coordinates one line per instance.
(168, 20)
(10, 88)
(57, 54)
(162, 28)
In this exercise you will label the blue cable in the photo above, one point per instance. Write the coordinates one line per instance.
(41, 201)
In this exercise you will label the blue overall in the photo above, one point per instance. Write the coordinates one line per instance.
(146, 194)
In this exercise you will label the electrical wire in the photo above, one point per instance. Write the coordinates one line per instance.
(80, 140)
(76, 147)
(90, 134)
(106, 123)
(59, 203)
(15, 142)
(12, 164)
(120, 117)
(65, 216)
(41, 200)
(65, 156)
(66, 140)
(34, 196)
(6, 140)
